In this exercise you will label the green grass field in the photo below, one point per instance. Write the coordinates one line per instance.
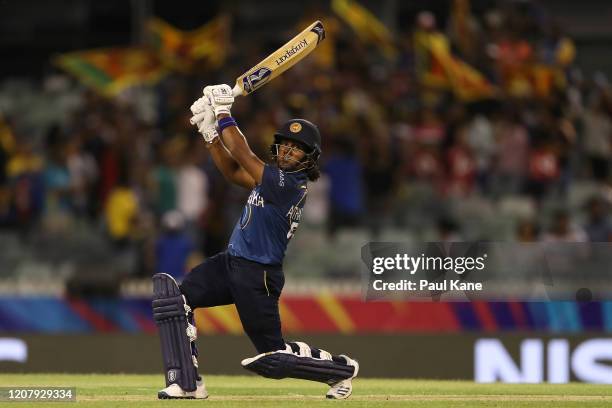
(249, 391)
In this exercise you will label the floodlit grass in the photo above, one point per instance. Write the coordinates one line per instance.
(99, 390)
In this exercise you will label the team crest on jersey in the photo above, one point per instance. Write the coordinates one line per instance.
(255, 199)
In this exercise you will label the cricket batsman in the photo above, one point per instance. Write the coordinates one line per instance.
(249, 272)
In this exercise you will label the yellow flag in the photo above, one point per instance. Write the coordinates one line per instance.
(181, 50)
(366, 25)
(438, 68)
(111, 70)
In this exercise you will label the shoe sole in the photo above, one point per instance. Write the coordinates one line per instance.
(345, 397)
(163, 395)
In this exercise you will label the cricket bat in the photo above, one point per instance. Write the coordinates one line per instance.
(280, 60)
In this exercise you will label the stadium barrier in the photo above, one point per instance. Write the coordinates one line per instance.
(323, 313)
(511, 357)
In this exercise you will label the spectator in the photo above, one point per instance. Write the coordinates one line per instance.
(164, 176)
(121, 212)
(426, 165)
(462, 166)
(380, 178)
(598, 139)
(430, 129)
(563, 230)
(174, 246)
(481, 140)
(527, 231)
(345, 190)
(544, 170)
(25, 177)
(82, 172)
(598, 227)
(192, 185)
(512, 153)
(448, 230)
(57, 179)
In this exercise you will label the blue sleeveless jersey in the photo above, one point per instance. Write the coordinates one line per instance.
(270, 217)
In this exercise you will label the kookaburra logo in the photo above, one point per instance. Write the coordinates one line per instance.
(171, 375)
(256, 79)
(258, 75)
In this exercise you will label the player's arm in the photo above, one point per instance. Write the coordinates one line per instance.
(226, 164)
(204, 119)
(236, 144)
(221, 99)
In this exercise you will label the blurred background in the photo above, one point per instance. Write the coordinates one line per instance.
(441, 121)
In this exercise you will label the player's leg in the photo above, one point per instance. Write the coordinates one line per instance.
(256, 289)
(342, 385)
(299, 360)
(207, 284)
(173, 312)
(177, 334)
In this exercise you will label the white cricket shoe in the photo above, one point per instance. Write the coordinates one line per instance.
(174, 391)
(344, 388)
(200, 392)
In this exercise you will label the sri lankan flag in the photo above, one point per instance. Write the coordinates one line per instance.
(182, 50)
(111, 70)
(366, 25)
(436, 67)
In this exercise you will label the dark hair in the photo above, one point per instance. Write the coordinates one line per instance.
(313, 173)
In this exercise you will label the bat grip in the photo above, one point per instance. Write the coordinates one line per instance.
(236, 91)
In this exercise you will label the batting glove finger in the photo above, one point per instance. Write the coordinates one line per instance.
(200, 105)
(198, 117)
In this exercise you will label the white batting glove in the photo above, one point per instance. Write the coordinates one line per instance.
(200, 105)
(220, 97)
(204, 119)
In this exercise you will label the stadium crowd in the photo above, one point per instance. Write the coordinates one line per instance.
(390, 138)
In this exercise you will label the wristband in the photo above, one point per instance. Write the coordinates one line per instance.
(226, 122)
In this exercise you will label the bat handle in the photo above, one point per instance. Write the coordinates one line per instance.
(236, 91)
